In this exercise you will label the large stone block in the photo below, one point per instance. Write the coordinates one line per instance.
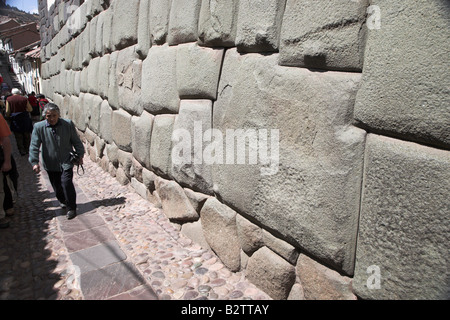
(403, 239)
(124, 23)
(141, 128)
(144, 36)
(159, 92)
(183, 23)
(198, 70)
(113, 87)
(93, 74)
(258, 25)
(107, 31)
(101, 24)
(188, 165)
(271, 273)
(159, 20)
(406, 88)
(220, 231)
(85, 43)
(161, 144)
(321, 283)
(121, 123)
(93, 105)
(93, 37)
(128, 73)
(250, 235)
(175, 204)
(217, 23)
(323, 34)
(106, 130)
(103, 76)
(308, 186)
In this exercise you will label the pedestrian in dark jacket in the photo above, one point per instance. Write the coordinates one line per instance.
(58, 137)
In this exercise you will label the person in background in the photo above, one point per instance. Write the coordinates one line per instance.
(35, 113)
(5, 143)
(57, 137)
(42, 101)
(18, 110)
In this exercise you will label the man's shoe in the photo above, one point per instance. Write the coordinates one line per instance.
(4, 223)
(62, 205)
(71, 214)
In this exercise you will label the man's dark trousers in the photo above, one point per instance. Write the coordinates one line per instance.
(63, 186)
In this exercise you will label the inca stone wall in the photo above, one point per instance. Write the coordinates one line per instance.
(350, 199)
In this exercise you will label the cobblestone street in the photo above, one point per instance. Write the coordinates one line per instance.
(120, 246)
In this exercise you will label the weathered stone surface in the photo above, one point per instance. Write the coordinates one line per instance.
(93, 74)
(93, 37)
(136, 170)
(198, 70)
(141, 128)
(113, 87)
(92, 104)
(258, 25)
(107, 27)
(128, 75)
(159, 80)
(296, 292)
(250, 235)
(188, 165)
(84, 80)
(144, 37)
(284, 249)
(148, 179)
(101, 24)
(217, 23)
(124, 23)
(183, 23)
(99, 145)
(121, 176)
(175, 204)
(318, 164)
(271, 273)
(320, 283)
(159, 20)
(406, 88)
(121, 124)
(103, 76)
(139, 187)
(193, 230)
(404, 224)
(197, 199)
(79, 116)
(220, 231)
(125, 162)
(85, 57)
(112, 152)
(78, 20)
(323, 34)
(106, 130)
(161, 144)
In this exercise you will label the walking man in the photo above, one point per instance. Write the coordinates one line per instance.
(18, 110)
(58, 138)
(5, 164)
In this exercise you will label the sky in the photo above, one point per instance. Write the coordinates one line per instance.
(30, 6)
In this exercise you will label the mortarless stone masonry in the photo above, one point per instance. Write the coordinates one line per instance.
(344, 213)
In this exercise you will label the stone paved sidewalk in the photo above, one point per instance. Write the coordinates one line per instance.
(120, 246)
